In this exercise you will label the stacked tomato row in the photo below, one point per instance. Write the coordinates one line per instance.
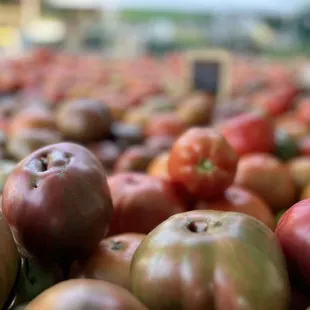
(131, 194)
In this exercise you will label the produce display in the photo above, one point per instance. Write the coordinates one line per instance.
(121, 189)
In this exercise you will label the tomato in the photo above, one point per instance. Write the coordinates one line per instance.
(84, 120)
(32, 118)
(266, 176)
(303, 111)
(249, 133)
(292, 126)
(294, 234)
(196, 109)
(202, 161)
(276, 101)
(237, 199)
(165, 125)
(300, 171)
(60, 195)
(134, 158)
(9, 261)
(85, 294)
(141, 202)
(304, 146)
(110, 261)
(229, 109)
(209, 260)
(159, 166)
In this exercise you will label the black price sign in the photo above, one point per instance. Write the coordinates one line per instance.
(209, 71)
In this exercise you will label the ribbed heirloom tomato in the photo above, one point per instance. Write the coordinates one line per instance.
(206, 260)
(203, 161)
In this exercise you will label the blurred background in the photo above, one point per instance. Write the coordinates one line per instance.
(129, 27)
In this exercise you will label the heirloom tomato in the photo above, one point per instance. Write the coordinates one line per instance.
(210, 260)
(57, 203)
(202, 161)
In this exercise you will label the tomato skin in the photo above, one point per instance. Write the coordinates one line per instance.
(294, 234)
(61, 187)
(185, 258)
(110, 261)
(141, 202)
(168, 124)
(202, 161)
(303, 111)
(134, 158)
(9, 261)
(158, 167)
(300, 171)
(85, 294)
(238, 199)
(276, 101)
(249, 133)
(269, 178)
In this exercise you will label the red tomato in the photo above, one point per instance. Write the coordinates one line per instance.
(303, 111)
(237, 199)
(293, 231)
(110, 261)
(141, 202)
(276, 101)
(203, 161)
(249, 133)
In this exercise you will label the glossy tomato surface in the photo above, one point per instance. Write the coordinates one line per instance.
(269, 178)
(208, 260)
(85, 295)
(59, 194)
(141, 202)
(249, 133)
(202, 161)
(110, 261)
(293, 231)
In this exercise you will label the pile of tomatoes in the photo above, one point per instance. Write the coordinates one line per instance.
(120, 191)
